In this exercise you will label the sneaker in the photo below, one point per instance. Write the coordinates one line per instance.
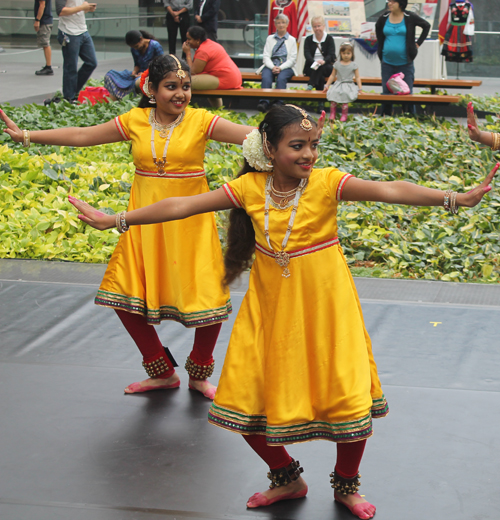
(309, 87)
(49, 101)
(45, 71)
(263, 106)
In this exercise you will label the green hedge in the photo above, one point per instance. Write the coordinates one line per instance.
(37, 221)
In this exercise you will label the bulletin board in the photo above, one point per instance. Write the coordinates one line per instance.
(341, 17)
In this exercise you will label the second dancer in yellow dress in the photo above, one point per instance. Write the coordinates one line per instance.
(299, 366)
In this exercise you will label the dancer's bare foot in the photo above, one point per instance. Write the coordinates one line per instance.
(203, 386)
(356, 504)
(296, 489)
(154, 383)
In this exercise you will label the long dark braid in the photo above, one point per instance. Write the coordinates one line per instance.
(241, 234)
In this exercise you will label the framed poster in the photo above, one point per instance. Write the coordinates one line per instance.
(341, 17)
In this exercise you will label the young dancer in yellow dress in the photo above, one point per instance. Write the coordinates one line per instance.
(170, 271)
(299, 366)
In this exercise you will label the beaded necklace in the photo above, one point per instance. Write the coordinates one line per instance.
(165, 133)
(282, 257)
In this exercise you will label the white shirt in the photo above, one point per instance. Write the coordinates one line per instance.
(317, 55)
(74, 24)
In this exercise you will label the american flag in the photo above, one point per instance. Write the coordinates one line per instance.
(302, 18)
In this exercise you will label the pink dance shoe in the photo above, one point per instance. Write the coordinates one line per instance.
(209, 393)
(259, 500)
(363, 510)
(136, 388)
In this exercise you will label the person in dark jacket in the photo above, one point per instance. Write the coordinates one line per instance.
(397, 48)
(319, 52)
(207, 13)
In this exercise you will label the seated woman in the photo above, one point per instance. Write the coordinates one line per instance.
(144, 48)
(319, 52)
(280, 57)
(211, 67)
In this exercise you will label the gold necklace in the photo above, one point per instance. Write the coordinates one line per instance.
(282, 257)
(285, 196)
(163, 129)
(161, 163)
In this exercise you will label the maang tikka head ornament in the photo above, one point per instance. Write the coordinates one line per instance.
(305, 124)
(180, 72)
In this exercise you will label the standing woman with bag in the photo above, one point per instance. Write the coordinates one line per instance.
(397, 48)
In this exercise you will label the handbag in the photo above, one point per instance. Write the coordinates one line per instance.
(93, 95)
(397, 85)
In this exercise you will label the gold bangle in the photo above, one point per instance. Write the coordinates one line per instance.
(26, 138)
(121, 223)
(495, 141)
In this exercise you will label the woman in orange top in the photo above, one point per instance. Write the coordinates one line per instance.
(211, 67)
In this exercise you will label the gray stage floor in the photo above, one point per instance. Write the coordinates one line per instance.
(74, 446)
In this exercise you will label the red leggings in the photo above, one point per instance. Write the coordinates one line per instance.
(349, 455)
(148, 342)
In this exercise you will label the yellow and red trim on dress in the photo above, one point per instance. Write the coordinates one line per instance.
(300, 252)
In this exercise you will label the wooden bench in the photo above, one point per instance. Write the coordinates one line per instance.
(433, 84)
(315, 95)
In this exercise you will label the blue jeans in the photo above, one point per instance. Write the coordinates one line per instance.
(387, 71)
(73, 78)
(281, 79)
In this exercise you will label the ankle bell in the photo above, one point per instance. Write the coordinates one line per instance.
(197, 371)
(284, 476)
(345, 486)
(157, 367)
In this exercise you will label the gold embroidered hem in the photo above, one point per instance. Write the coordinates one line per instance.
(347, 431)
(165, 312)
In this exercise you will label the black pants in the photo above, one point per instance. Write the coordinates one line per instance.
(317, 78)
(172, 26)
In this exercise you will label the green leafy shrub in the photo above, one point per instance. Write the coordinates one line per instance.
(36, 220)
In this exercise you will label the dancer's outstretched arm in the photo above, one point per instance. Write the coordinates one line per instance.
(174, 208)
(402, 192)
(474, 133)
(71, 136)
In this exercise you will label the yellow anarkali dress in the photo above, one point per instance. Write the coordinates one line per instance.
(169, 271)
(299, 365)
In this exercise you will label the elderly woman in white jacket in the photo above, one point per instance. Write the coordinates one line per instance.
(280, 56)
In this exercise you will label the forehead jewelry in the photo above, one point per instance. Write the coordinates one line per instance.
(305, 124)
(181, 74)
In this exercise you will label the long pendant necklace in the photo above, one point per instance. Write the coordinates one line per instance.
(282, 257)
(165, 133)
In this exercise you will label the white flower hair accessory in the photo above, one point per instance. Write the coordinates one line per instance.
(253, 152)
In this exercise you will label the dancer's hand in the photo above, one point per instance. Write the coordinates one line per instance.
(474, 132)
(474, 196)
(12, 129)
(321, 123)
(93, 217)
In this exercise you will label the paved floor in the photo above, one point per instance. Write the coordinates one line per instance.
(74, 446)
